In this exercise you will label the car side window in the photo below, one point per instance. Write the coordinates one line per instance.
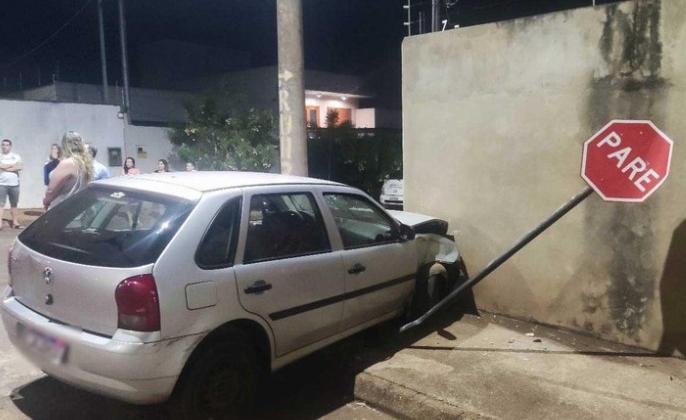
(283, 226)
(217, 248)
(359, 222)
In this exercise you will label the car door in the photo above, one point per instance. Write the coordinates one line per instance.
(288, 274)
(380, 268)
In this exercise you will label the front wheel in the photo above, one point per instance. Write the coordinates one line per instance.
(430, 288)
(221, 382)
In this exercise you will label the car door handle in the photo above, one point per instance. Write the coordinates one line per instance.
(258, 287)
(357, 269)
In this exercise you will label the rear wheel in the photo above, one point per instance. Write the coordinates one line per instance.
(221, 382)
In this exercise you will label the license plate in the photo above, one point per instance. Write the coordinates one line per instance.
(44, 345)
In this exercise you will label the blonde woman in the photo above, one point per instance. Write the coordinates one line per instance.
(73, 172)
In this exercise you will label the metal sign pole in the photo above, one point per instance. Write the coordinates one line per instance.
(503, 257)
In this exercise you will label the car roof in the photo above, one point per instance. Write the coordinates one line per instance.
(204, 181)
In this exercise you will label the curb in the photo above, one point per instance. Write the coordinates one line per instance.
(406, 403)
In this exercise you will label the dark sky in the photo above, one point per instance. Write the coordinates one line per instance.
(342, 35)
(42, 38)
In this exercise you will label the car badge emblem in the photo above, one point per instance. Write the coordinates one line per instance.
(47, 275)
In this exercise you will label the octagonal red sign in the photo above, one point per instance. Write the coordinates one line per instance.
(627, 160)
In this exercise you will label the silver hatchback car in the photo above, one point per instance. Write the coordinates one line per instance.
(191, 285)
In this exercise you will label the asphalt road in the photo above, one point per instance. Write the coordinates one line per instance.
(320, 386)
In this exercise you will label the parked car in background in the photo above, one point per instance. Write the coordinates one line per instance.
(392, 194)
(190, 285)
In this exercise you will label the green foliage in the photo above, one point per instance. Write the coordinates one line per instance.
(363, 158)
(219, 137)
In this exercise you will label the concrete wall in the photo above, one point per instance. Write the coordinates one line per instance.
(34, 126)
(494, 118)
(147, 145)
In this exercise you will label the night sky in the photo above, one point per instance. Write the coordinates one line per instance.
(347, 36)
(360, 37)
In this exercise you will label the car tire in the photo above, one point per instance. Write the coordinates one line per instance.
(221, 382)
(430, 288)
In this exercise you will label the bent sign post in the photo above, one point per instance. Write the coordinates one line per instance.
(626, 161)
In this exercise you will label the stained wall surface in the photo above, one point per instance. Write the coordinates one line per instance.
(494, 118)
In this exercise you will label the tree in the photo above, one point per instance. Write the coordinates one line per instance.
(219, 136)
(363, 158)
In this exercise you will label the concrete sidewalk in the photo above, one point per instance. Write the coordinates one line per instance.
(498, 368)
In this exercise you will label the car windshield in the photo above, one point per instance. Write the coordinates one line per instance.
(108, 227)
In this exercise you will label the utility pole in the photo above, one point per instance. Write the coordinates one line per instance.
(103, 56)
(292, 126)
(124, 61)
(434, 15)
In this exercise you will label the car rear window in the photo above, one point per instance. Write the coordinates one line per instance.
(108, 227)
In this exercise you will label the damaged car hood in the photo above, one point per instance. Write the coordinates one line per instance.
(421, 222)
(433, 241)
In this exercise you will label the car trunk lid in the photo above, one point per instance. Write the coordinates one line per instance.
(77, 295)
(68, 263)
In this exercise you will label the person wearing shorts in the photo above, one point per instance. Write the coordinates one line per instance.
(10, 165)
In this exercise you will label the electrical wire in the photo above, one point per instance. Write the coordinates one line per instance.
(50, 38)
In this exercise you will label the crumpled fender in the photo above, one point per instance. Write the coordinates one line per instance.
(435, 248)
(433, 243)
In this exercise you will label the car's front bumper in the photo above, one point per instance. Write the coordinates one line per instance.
(393, 201)
(135, 372)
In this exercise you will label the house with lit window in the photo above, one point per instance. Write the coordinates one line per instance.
(324, 92)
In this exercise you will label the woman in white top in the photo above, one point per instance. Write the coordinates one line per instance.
(73, 172)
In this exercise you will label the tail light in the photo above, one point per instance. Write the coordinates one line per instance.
(138, 304)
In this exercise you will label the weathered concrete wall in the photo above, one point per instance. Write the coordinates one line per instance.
(494, 120)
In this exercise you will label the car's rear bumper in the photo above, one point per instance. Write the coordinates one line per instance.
(135, 372)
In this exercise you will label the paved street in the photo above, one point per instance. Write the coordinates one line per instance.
(318, 387)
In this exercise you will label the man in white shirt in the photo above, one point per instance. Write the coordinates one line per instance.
(10, 165)
(100, 171)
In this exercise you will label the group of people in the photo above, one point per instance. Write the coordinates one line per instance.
(162, 166)
(70, 167)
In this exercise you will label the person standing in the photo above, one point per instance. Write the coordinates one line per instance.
(190, 166)
(130, 167)
(10, 165)
(162, 166)
(72, 174)
(100, 171)
(53, 160)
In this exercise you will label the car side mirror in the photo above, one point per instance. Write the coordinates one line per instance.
(405, 232)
